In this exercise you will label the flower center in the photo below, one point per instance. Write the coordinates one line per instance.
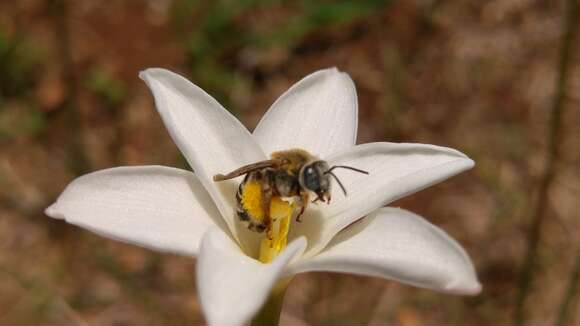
(277, 236)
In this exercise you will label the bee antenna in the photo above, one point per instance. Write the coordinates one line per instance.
(337, 180)
(346, 167)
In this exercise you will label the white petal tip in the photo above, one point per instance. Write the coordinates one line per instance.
(463, 164)
(334, 71)
(145, 74)
(469, 163)
(53, 212)
(464, 288)
(475, 290)
(149, 73)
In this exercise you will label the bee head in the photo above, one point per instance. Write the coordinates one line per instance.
(313, 177)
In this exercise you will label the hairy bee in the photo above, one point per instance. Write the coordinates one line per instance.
(292, 173)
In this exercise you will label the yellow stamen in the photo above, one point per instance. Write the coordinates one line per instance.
(277, 236)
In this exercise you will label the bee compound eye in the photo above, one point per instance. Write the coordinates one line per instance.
(311, 179)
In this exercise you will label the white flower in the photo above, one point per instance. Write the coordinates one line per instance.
(173, 210)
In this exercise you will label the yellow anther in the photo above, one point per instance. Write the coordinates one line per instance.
(277, 236)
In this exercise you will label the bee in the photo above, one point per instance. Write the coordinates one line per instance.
(293, 173)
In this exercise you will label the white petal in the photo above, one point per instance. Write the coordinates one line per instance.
(398, 245)
(232, 286)
(212, 140)
(395, 171)
(318, 114)
(156, 207)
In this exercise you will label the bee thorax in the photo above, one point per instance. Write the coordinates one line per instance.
(286, 185)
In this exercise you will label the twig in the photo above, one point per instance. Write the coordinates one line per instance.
(78, 162)
(554, 134)
(571, 291)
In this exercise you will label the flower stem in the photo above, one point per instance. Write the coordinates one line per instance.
(269, 315)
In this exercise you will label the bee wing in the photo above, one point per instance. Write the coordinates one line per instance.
(247, 169)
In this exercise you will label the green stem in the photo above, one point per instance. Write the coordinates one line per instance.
(269, 315)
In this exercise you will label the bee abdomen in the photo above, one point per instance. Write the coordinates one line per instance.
(249, 205)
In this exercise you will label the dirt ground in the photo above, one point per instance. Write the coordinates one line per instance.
(478, 76)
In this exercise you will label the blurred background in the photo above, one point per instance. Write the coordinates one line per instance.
(498, 80)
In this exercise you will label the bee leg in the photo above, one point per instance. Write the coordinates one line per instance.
(302, 209)
(303, 203)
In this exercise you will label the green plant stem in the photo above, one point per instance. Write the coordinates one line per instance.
(554, 133)
(269, 314)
